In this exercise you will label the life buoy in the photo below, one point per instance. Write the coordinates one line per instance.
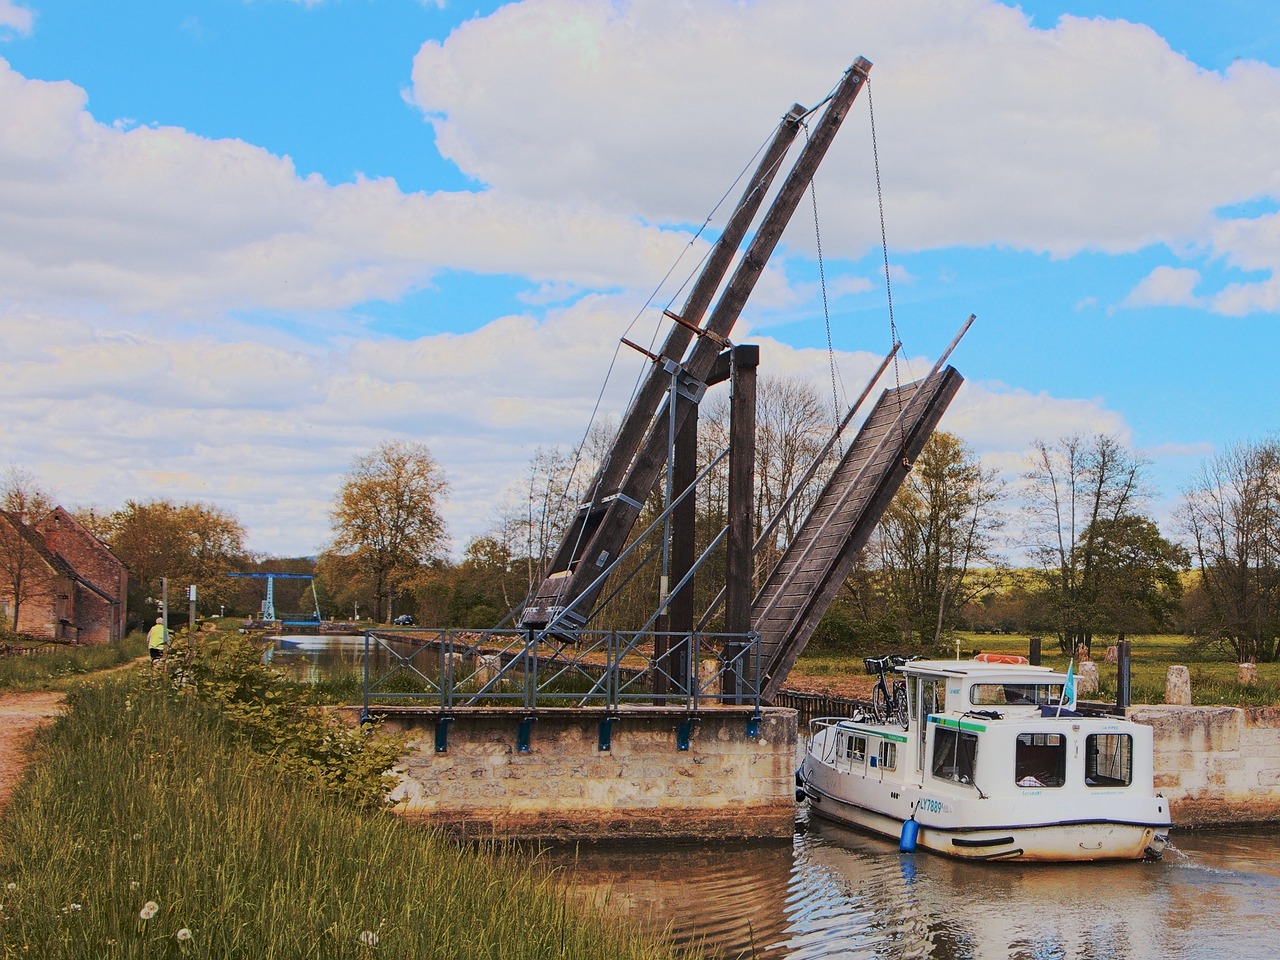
(1000, 658)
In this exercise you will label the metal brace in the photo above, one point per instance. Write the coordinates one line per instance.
(753, 725)
(442, 734)
(684, 731)
(522, 736)
(606, 734)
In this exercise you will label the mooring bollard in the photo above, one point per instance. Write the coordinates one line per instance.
(1177, 687)
(1248, 674)
(1087, 678)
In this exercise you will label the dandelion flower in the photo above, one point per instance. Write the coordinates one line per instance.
(368, 938)
(183, 935)
(149, 910)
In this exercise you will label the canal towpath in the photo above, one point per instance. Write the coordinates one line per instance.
(21, 715)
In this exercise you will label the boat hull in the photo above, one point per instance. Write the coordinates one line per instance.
(1057, 842)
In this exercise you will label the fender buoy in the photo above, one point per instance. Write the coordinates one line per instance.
(910, 829)
(1000, 658)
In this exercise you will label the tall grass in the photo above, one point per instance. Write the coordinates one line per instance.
(55, 669)
(143, 793)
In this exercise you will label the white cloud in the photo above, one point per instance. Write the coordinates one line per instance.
(1166, 287)
(16, 19)
(268, 432)
(157, 219)
(1090, 135)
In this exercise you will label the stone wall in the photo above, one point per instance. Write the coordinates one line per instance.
(1216, 765)
(726, 784)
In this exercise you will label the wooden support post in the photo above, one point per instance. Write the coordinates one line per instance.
(739, 564)
(1034, 653)
(1124, 674)
(683, 552)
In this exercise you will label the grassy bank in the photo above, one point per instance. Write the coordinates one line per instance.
(148, 827)
(57, 668)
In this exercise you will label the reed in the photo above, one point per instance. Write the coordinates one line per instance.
(148, 826)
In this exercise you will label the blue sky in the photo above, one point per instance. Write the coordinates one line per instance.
(242, 242)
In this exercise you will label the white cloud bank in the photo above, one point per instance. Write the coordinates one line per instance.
(601, 130)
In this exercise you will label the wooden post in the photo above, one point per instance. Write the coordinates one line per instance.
(1124, 675)
(683, 547)
(739, 564)
(1033, 655)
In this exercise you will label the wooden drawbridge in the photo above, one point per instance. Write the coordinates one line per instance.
(805, 580)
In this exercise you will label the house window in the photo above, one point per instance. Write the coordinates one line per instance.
(955, 752)
(1108, 760)
(1040, 760)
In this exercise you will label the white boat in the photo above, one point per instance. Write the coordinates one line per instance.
(989, 761)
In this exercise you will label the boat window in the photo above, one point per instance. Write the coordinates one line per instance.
(1108, 760)
(1001, 694)
(888, 755)
(933, 697)
(954, 754)
(1040, 760)
(855, 749)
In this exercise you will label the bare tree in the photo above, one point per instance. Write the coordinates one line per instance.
(24, 573)
(941, 524)
(1078, 490)
(1231, 517)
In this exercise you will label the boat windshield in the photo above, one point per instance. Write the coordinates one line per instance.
(1002, 694)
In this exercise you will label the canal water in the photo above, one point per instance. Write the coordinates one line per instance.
(838, 893)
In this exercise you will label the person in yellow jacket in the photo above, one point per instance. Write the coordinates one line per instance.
(158, 639)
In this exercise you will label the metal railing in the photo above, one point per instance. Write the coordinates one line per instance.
(532, 668)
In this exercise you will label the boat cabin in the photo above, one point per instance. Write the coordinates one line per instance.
(1000, 729)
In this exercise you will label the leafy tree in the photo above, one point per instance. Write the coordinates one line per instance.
(1138, 576)
(941, 524)
(386, 518)
(1231, 517)
(187, 543)
(1081, 495)
(24, 577)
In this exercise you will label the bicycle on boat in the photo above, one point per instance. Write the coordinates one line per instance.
(889, 704)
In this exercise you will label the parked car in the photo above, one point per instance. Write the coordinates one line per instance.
(404, 620)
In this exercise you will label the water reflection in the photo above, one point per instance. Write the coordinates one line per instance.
(310, 659)
(839, 893)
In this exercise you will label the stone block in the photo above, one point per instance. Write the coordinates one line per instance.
(1177, 686)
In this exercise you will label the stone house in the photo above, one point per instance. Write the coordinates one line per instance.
(71, 586)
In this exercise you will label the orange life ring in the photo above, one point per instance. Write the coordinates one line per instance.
(1000, 658)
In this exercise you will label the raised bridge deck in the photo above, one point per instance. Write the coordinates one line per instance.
(802, 585)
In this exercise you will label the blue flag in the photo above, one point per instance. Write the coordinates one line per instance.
(1069, 688)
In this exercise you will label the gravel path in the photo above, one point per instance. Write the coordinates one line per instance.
(21, 714)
